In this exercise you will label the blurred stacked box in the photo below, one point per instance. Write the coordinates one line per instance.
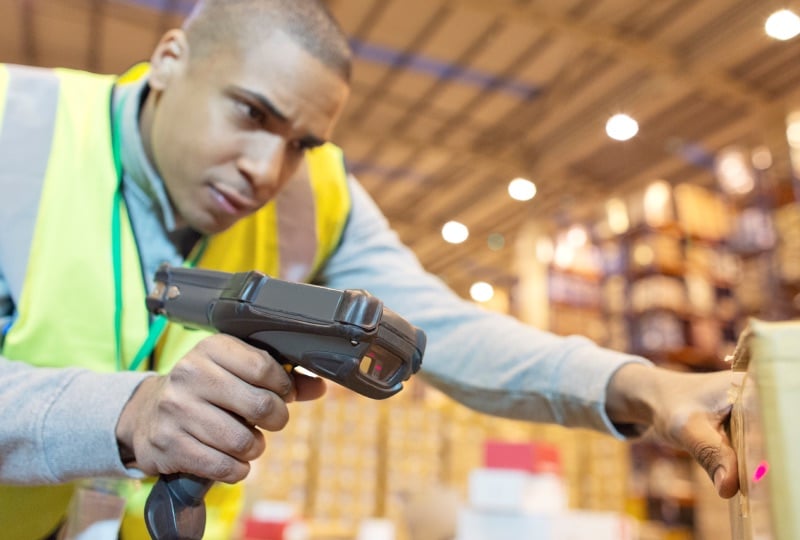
(347, 461)
(463, 432)
(344, 459)
(658, 292)
(658, 332)
(702, 213)
(787, 223)
(661, 252)
(604, 473)
(568, 320)
(519, 492)
(413, 450)
(750, 291)
(753, 231)
(284, 473)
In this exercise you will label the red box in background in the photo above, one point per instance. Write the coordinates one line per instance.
(264, 530)
(532, 457)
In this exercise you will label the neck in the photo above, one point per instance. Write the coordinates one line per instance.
(146, 114)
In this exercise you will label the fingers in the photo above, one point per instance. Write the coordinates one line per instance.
(204, 417)
(232, 436)
(726, 475)
(309, 388)
(220, 449)
(711, 448)
(201, 382)
(248, 364)
(692, 413)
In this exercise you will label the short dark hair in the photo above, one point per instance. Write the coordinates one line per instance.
(215, 24)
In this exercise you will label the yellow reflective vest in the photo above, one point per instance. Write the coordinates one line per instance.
(65, 311)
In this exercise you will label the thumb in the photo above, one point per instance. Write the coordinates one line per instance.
(711, 448)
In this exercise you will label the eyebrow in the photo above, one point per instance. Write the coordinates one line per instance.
(309, 141)
(262, 100)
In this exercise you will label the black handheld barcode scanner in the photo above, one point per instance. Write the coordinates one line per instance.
(347, 336)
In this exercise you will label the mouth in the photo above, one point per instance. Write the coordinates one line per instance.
(230, 201)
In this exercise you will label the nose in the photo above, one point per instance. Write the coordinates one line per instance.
(262, 161)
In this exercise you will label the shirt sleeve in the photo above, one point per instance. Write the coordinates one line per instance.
(59, 424)
(489, 362)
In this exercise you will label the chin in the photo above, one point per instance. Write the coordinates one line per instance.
(208, 223)
(209, 230)
(216, 227)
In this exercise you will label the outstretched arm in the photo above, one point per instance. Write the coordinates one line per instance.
(500, 366)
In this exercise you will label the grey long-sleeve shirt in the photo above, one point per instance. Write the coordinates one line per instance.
(58, 424)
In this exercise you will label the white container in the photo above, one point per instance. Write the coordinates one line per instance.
(376, 529)
(516, 491)
(474, 524)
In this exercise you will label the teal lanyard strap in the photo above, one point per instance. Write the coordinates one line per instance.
(116, 233)
(160, 322)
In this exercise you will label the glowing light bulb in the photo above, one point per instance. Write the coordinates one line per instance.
(782, 25)
(521, 189)
(455, 232)
(622, 127)
(481, 291)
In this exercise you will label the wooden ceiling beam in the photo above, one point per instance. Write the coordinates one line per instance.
(702, 77)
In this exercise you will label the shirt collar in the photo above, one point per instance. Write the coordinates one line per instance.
(140, 178)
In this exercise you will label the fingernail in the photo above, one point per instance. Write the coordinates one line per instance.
(719, 476)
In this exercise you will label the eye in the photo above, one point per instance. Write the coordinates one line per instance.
(306, 143)
(298, 146)
(251, 112)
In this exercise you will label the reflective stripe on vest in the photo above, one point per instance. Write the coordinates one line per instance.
(28, 101)
(27, 113)
(57, 176)
(63, 176)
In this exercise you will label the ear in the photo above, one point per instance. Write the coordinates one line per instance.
(169, 58)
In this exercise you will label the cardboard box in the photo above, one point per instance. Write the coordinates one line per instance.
(766, 432)
(534, 457)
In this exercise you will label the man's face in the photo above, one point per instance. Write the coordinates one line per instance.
(227, 131)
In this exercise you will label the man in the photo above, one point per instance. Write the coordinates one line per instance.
(231, 106)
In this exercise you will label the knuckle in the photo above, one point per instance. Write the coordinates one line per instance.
(241, 442)
(161, 439)
(213, 345)
(264, 405)
(271, 412)
(224, 468)
(262, 368)
(272, 374)
(183, 371)
(169, 403)
(285, 387)
(205, 346)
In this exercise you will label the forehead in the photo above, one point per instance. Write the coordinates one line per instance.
(306, 91)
